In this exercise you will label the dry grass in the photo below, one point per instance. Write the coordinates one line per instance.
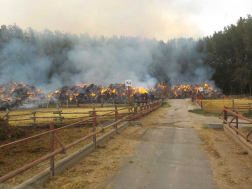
(105, 161)
(217, 105)
(24, 153)
(48, 120)
(231, 164)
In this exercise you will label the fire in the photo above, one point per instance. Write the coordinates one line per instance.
(57, 92)
(142, 90)
(92, 93)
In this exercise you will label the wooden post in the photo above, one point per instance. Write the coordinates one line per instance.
(201, 105)
(7, 116)
(116, 117)
(34, 117)
(124, 103)
(135, 110)
(61, 121)
(67, 103)
(102, 101)
(128, 96)
(52, 149)
(94, 126)
(113, 102)
(141, 108)
(47, 103)
(225, 115)
(237, 122)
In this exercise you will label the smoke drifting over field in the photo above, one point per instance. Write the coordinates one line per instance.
(49, 60)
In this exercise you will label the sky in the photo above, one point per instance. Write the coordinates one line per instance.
(160, 19)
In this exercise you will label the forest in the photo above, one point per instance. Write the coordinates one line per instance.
(50, 59)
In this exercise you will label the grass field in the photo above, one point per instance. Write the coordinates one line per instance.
(217, 105)
(84, 110)
(202, 112)
(165, 105)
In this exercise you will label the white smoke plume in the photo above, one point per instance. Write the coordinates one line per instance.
(49, 60)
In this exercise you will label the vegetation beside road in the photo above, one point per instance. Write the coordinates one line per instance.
(202, 112)
(165, 105)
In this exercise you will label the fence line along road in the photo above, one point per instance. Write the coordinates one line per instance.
(138, 112)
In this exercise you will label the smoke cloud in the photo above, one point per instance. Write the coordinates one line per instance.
(49, 60)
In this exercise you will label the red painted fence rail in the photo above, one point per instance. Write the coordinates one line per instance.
(231, 123)
(130, 116)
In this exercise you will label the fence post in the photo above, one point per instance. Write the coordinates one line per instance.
(141, 109)
(47, 103)
(237, 121)
(34, 117)
(135, 111)
(116, 117)
(7, 115)
(60, 116)
(201, 105)
(113, 102)
(67, 103)
(52, 149)
(102, 101)
(94, 125)
(225, 114)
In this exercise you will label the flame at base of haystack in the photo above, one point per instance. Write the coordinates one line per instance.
(187, 91)
(14, 94)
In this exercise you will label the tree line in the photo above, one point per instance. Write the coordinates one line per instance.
(229, 52)
(224, 57)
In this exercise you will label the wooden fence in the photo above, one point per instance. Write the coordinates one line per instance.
(60, 117)
(217, 105)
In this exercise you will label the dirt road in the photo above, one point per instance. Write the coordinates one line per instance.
(169, 155)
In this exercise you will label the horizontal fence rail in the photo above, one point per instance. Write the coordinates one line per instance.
(217, 105)
(132, 114)
(36, 117)
(234, 122)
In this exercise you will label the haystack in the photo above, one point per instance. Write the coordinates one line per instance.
(7, 131)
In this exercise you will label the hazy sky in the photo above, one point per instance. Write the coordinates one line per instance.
(160, 19)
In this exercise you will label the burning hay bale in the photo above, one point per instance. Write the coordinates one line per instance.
(15, 94)
(187, 91)
(7, 131)
(95, 93)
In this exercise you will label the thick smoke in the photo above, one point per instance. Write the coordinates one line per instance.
(50, 60)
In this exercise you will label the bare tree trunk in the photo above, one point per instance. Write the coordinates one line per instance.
(241, 88)
(250, 89)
